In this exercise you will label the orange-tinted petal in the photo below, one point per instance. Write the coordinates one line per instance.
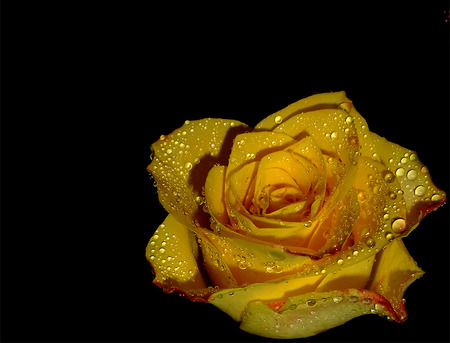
(182, 160)
(393, 272)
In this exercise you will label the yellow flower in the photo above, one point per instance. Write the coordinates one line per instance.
(292, 227)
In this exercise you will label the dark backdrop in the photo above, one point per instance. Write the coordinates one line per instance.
(87, 89)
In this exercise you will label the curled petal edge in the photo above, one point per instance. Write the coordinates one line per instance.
(309, 314)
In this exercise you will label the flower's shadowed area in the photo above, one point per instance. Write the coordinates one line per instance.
(199, 172)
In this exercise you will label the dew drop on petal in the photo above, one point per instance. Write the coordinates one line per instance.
(398, 225)
(334, 135)
(412, 175)
(400, 172)
(311, 302)
(436, 197)
(389, 236)
(419, 190)
(278, 119)
(388, 176)
(338, 298)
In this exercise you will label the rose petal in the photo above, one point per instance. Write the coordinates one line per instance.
(354, 276)
(218, 271)
(331, 235)
(419, 192)
(215, 193)
(253, 146)
(367, 146)
(317, 101)
(182, 160)
(393, 272)
(172, 252)
(250, 262)
(336, 137)
(309, 314)
(234, 301)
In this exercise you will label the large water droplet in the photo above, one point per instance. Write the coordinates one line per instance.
(400, 172)
(334, 135)
(420, 190)
(398, 225)
(412, 175)
(278, 119)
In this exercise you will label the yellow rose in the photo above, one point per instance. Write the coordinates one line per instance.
(292, 227)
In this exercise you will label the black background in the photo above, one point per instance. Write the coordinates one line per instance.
(87, 89)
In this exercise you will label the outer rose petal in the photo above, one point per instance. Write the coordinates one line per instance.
(314, 102)
(182, 160)
(309, 314)
(420, 194)
(172, 252)
(393, 272)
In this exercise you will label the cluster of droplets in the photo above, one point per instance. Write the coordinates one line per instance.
(309, 315)
(162, 252)
(175, 156)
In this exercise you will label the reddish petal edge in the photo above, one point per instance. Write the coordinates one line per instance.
(200, 295)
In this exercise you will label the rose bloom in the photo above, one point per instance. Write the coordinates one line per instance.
(293, 227)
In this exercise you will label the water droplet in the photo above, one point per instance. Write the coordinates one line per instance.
(162, 250)
(353, 299)
(311, 302)
(338, 298)
(196, 160)
(340, 261)
(413, 157)
(366, 301)
(389, 236)
(436, 197)
(412, 175)
(420, 190)
(231, 293)
(400, 172)
(152, 257)
(155, 237)
(188, 165)
(404, 160)
(349, 120)
(392, 195)
(362, 197)
(388, 176)
(424, 170)
(376, 189)
(169, 151)
(398, 225)
(334, 135)
(355, 253)
(278, 119)
(370, 242)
